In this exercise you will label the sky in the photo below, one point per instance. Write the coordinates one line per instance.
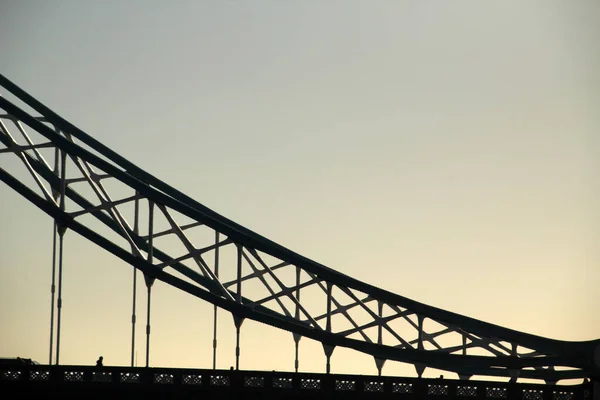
(444, 151)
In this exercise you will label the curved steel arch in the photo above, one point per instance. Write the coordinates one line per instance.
(370, 315)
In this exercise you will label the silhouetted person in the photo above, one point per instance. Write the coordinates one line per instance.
(99, 362)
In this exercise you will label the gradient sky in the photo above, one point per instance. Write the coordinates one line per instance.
(445, 151)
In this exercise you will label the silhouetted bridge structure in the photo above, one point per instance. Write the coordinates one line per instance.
(150, 383)
(87, 188)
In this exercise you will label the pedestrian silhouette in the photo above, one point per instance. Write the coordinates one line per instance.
(99, 362)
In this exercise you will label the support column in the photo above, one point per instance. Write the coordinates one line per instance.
(420, 368)
(52, 291)
(56, 196)
(464, 377)
(514, 373)
(149, 295)
(548, 381)
(379, 362)
(133, 317)
(61, 233)
(296, 336)
(149, 280)
(215, 307)
(238, 320)
(326, 347)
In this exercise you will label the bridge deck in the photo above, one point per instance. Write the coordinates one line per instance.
(131, 383)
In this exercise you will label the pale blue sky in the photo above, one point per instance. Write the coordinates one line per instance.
(446, 151)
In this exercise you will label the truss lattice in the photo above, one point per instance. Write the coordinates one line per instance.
(88, 188)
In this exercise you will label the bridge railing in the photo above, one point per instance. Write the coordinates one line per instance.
(263, 381)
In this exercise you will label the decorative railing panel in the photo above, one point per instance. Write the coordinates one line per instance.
(279, 382)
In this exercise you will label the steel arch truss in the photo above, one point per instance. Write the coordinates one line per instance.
(88, 188)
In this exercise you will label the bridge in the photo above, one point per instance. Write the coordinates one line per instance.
(87, 188)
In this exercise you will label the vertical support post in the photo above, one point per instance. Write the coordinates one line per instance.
(238, 321)
(420, 322)
(514, 373)
(133, 318)
(215, 307)
(55, 195)
(297, 316)
(379, 327)
(420, 367)
(328, 349)
(52, 291)
(328, 326)
(237, 346)
(328, 352)
(148, 326)
(149, 280)
(379, 362)
(464, 377)
(59, 301)
(61, 232)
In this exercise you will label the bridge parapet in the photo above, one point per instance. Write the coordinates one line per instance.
(191, 383)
